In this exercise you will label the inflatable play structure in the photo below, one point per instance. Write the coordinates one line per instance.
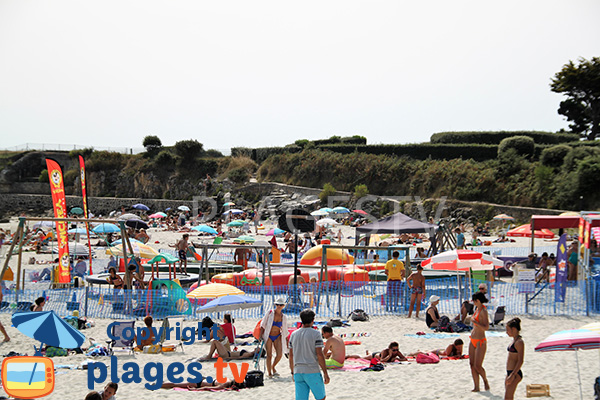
(165, 297)
(334, 256)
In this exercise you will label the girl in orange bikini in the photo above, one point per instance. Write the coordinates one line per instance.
(478, 345)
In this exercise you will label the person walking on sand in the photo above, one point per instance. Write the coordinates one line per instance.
(306, 356)
(516, 353)
(478, 345)
(182, 247)
(272, 329)
(394, 269)
(334, 350)
(416, 284)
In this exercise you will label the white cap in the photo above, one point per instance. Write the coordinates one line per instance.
(433, 298)
(280, 301)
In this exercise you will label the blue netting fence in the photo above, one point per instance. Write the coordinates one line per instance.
(328, 300)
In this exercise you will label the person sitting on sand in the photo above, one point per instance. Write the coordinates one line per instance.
(432, 315)
(216, 346)
(90, 396)
(334, 349)
(109, 392)
(146, 341)
(39, 304)
(142, 236)
(391, 354)
(453, 350)
(203, 385)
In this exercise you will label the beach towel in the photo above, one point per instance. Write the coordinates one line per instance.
(351, 342)
(463, 357)
(352, 334)
(207, 389)
(439, 335)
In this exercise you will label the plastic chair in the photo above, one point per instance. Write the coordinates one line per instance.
(117, 331)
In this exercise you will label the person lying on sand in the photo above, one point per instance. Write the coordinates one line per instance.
(204, 385)
(453, 350)
(216, 346)
(391, 354)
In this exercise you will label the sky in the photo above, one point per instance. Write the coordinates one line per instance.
(266, 73)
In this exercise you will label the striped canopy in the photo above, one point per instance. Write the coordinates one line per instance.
(570, 340)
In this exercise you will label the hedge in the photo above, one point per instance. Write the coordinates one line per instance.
(421, 151)
(497, 137)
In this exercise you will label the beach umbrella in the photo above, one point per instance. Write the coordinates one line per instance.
(569, 214)
(132, 240)
(274, 231)
(77, 230)
(233, 211)
(77, 210)
(319, 213)
(75, 249)
(503, 217)
(525, 231)
(106, 228)
(230, 302)
(571, 340)
(341, 210)
(213, 290)
(140, 206)
(157, 215)
(462, 260)
(327, 221)
(126, 216)
(183, 208)
(44, 224)
(136, 224)
(48, 328)
(361, 212)
(205, 228)
(326, 209)
(594, 327)
(237, 222)
(244, 239)
(139, 249)
(162, 214)
(229, 203)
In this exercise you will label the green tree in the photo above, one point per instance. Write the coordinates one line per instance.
(360, 191)
(152, 143)
(581, 84)
(328, 190)
(189, 149)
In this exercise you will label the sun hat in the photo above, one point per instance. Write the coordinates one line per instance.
(280, 301)
(433, 298)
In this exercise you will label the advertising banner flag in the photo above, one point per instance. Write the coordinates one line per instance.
(560, 286)
(85, 206)
(63, 270)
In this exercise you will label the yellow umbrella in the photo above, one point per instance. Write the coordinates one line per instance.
(139, 249)
(594, 326)
(213, 290)
(569, 214)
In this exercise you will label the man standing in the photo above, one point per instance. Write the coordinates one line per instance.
(334, 350)
(394, 269)
(416, 283)
(306, 356)
(460, 238)
(182, 247)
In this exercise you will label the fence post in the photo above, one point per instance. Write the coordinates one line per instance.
(86, 301)
(526, 303)
(340, 298)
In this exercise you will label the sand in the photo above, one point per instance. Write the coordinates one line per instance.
(448, 379)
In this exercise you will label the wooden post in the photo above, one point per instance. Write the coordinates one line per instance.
(18, 234)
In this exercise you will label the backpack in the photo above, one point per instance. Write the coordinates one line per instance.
(254, 378)
(597, 388)
(358, 315)
(429, 358)
(335, 322)
(444, 324)
(458, 327)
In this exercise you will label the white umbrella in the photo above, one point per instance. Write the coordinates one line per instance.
(327, 221)
(319, 213)
(183, 208)
(127, 216)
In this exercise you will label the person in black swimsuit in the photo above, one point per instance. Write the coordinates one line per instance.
(203, 385)
(516, 352)
(432, 314)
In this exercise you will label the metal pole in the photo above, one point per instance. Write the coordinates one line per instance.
(85, 309)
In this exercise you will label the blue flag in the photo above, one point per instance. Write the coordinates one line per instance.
(562, 269)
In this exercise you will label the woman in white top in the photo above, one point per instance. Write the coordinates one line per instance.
(273, 330)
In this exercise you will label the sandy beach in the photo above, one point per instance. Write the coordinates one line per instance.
(448, 379)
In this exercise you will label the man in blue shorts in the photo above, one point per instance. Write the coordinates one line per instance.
(306, 356)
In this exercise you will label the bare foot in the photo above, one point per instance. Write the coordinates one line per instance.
(6, 339)
(475, 390)
(408, 316)
(275, 371)
(486, 385)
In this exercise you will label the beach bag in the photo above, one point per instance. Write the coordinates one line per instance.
(444, 324)
(429, 358)
(358, 315)
(56, 352)
(254, 378)
(335, 322)
(458, 327)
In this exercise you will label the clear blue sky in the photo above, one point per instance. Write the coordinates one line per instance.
(259, 73)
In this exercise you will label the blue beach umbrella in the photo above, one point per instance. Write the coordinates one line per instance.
(230, 302)
(341, 210)
(77, 230)
(205, 228)
(48, 328)
(140, 206)
(106, 228)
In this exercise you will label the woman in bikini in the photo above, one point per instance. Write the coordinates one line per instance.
(272, 330)
(114, 279)
(478, 345)
(223, 352)
(516, 352)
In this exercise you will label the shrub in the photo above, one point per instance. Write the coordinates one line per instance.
(152, 143)
(165, 159)
(70, 176)
(360, 191)
(523, 145)
(238, 175)
(497, 137)
(81, 152)
(328, 190)
(544, 174)
(188, 149)
(302, 142)
(214, 153)
(578, 153)
(555, 155)
(43, 178)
